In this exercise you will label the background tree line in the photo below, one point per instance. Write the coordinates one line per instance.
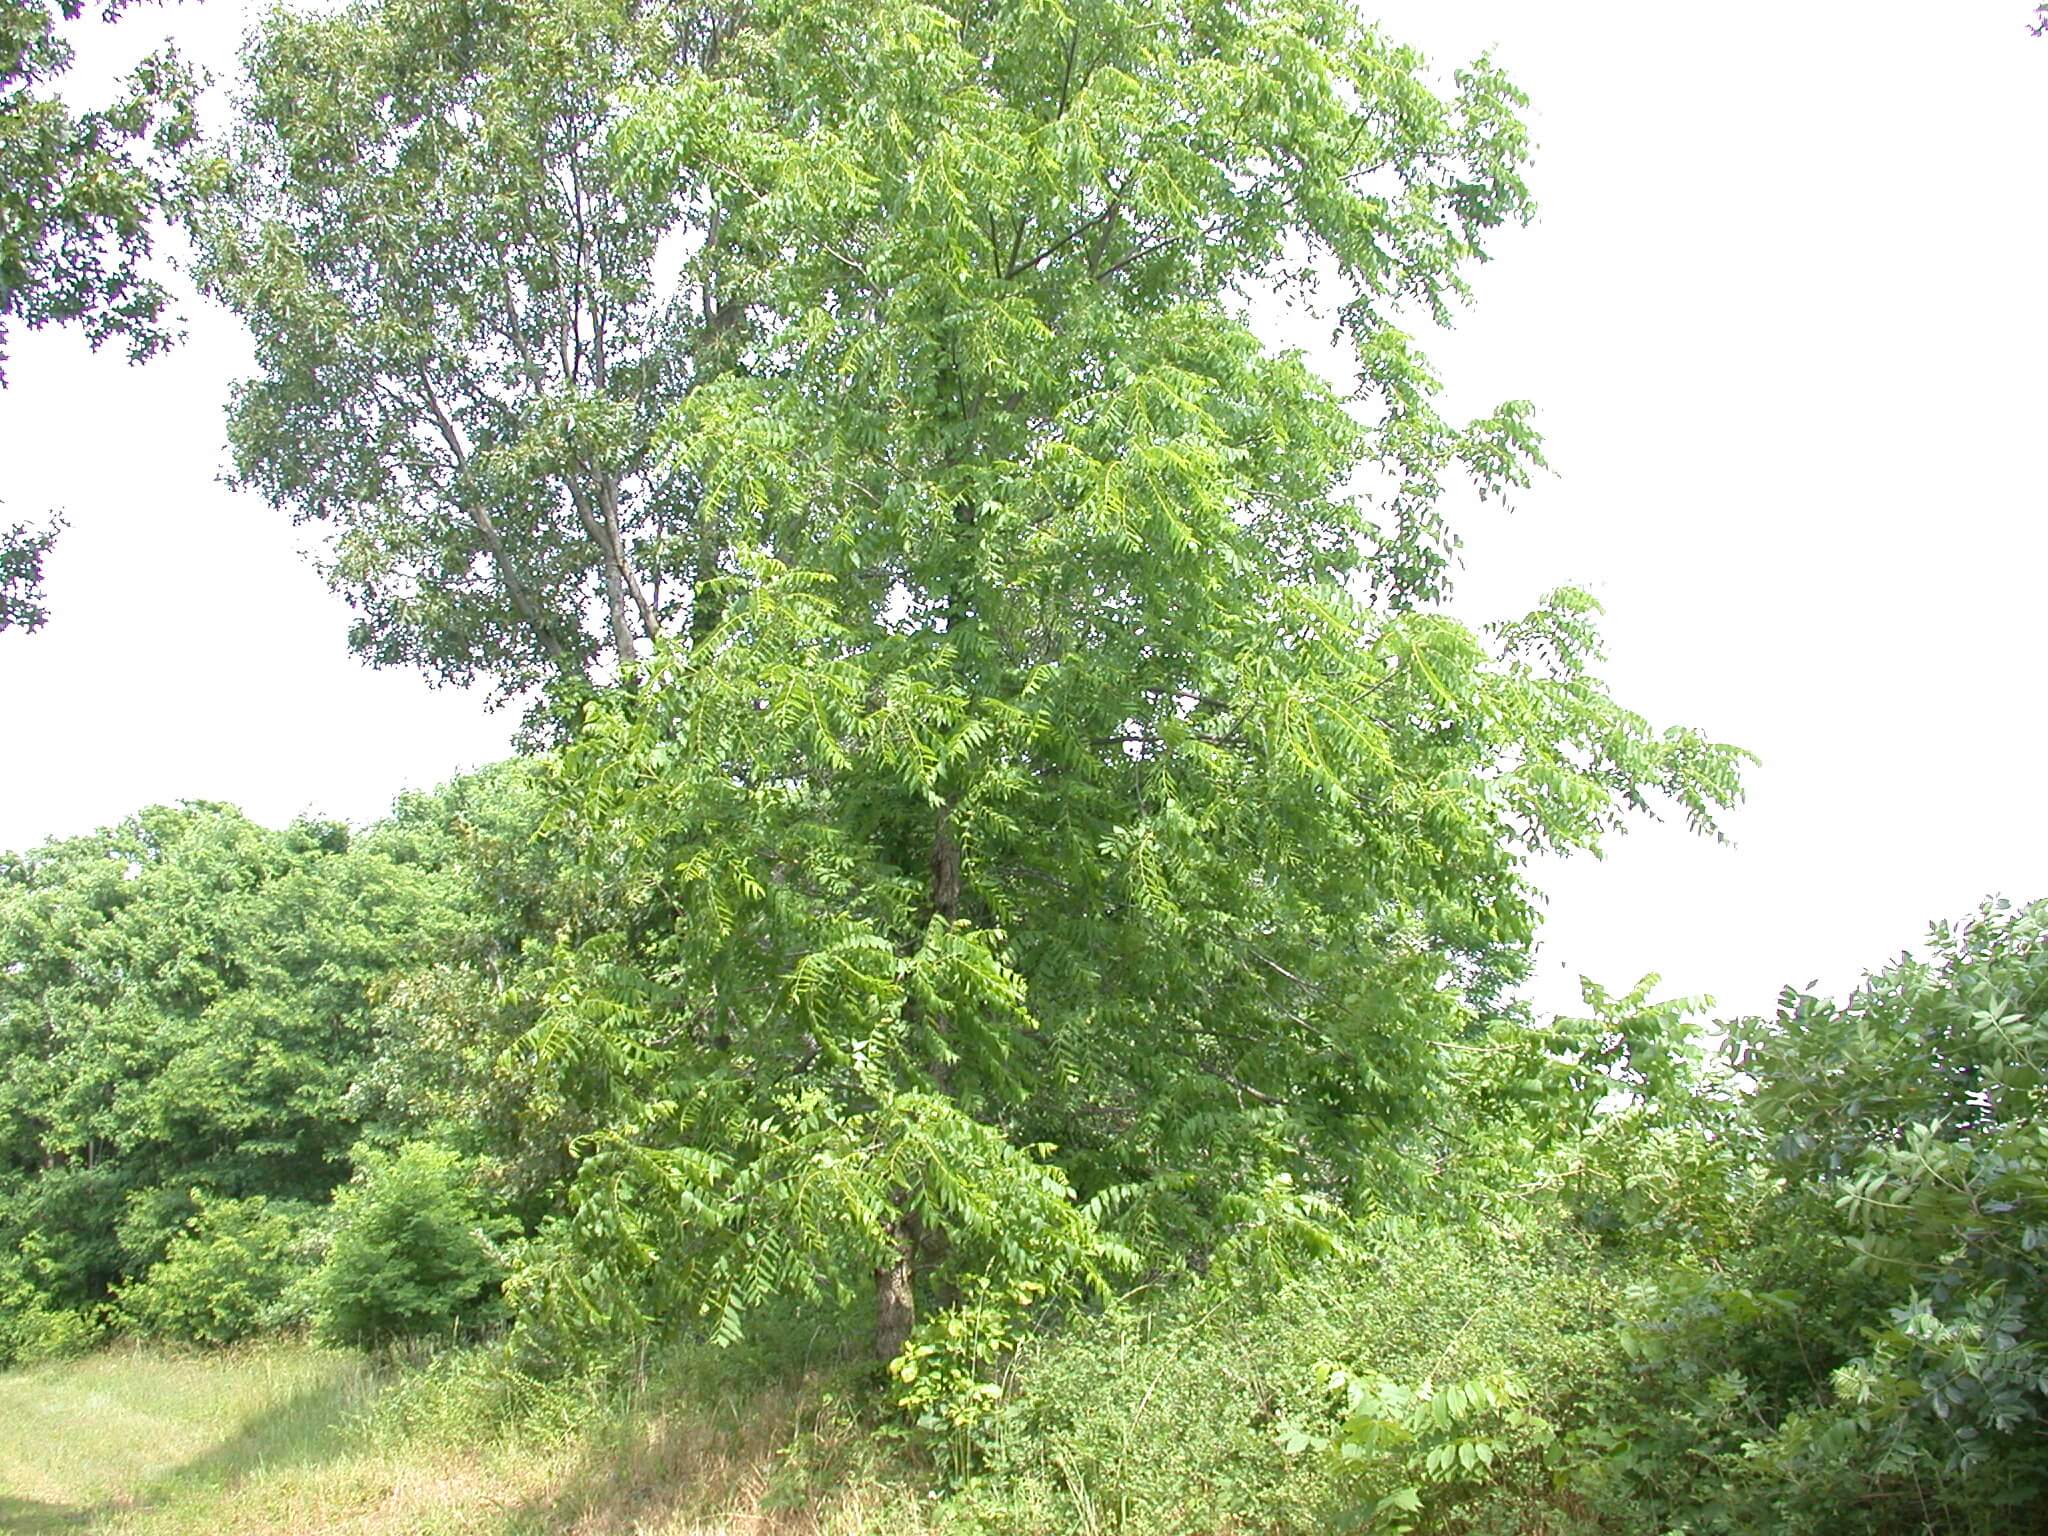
(209, 1027)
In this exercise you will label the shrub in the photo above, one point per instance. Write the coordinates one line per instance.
(1432, 1455)
(33, 1329)
(228, 1274)
(1198, 1409)
(1837, 1322)
(1918, 1112)
(416, 1250)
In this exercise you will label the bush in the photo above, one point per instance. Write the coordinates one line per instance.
(1437, 1455)
(31, 1328)
(416, 1251)
(1202, 1409)
(228, 1274)
(1876, 1343)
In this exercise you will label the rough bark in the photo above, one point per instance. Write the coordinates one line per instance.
(896, 1289)
(945, 868)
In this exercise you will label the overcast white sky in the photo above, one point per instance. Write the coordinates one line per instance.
(1785, 318)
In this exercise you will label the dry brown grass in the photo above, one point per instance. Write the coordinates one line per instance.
(780, 1467)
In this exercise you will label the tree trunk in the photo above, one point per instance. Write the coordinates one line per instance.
(896, 1281)
(895, 1292)
(945, 868)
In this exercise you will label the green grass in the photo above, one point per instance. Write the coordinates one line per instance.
(289, 1438)
(143, 1440)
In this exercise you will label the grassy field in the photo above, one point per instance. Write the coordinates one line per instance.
(288, 1438)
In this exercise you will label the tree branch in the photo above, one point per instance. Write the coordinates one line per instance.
(480, 515)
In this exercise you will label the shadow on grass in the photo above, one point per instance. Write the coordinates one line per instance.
(32, 1517)
(317, 1422)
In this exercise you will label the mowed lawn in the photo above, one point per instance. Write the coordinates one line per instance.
(282, 1438)
(267, 1439)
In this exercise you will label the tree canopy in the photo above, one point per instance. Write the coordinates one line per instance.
(1080, 829)
(1031, 805)
(79, 188)
(183, 1003)
(469, 326)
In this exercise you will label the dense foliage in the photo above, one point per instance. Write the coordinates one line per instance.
(415, 1250)
(203, 1020)
(1856, 1328)
(468, 329)
(261, 1079)
(227, 1275)
(1031, 737)
(1079, 828)
(1792, 1285)
(185, 1003)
